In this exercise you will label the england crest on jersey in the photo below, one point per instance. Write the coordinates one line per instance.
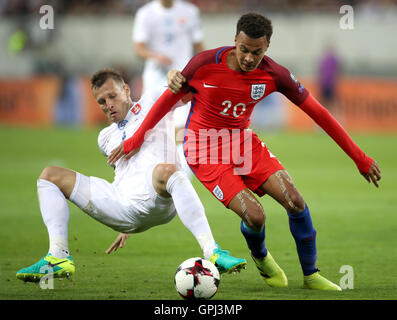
(257, 91)
(218, 192)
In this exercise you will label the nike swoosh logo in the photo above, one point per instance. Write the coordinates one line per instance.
(209, 86)
(52, 265)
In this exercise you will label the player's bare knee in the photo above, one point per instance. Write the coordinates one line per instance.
(249, 209)
(293, 201)
(163, 171)
(255, 219)
(50, 173)
(296, 203)
(64, 179)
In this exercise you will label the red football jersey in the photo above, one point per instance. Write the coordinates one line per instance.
(225, 98)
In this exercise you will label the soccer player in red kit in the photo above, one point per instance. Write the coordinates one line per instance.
(226, 83)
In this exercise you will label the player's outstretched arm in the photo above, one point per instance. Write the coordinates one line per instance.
(118, 243)
(367, 166)
(162, 106)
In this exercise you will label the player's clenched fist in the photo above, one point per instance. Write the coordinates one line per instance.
(175, 80)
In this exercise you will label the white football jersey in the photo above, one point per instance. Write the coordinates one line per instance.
(158, 147)
(168, 31)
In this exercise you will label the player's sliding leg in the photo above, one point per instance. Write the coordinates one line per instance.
(53, 186)
(168, 180)
(281, 187)
(253, 229)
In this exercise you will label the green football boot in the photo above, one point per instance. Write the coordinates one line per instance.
(318, 282)
(46, 266)
(227, 263)
(270, 271)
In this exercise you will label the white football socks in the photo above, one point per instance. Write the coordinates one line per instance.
(55, 212)
(191, 211)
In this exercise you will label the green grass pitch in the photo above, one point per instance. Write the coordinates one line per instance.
(355, 222)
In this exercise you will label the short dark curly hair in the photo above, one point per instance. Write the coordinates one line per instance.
(100, 77)
(255, 25)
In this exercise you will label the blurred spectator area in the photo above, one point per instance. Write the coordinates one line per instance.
(93, 34)
(10, 7)
(89, 33)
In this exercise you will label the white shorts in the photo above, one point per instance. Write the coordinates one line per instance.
(180, 115)
(102, 201)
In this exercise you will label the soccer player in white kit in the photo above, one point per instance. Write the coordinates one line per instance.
(147, 190)
(167, 33)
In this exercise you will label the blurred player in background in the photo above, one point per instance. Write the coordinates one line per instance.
(328, 73)
(227, 83)
(167, 33)
(148, 190)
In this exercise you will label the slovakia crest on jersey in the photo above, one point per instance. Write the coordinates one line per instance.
(136, 108)
(257, 91)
